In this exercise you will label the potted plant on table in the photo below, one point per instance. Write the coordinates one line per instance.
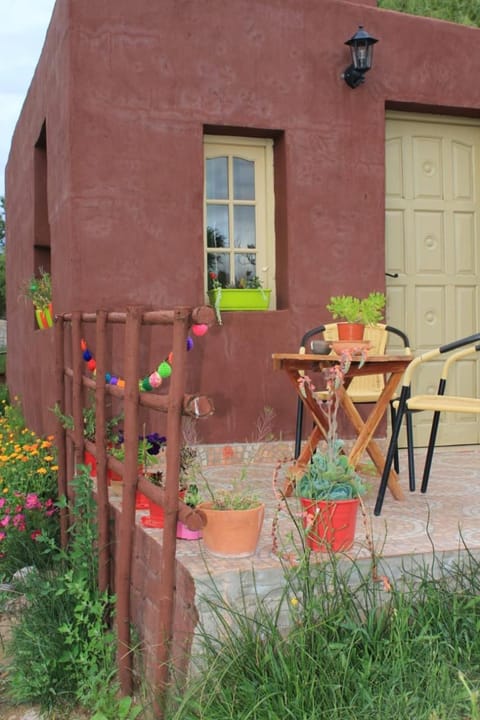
(39, 291)
(355, 313)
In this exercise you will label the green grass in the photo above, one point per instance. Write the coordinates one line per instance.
(3, 362)
(353, 651)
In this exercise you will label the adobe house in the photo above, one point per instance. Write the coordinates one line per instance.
(119, 167)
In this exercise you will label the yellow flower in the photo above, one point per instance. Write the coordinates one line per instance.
(294, 602)
(54, 467)
(5, 490)
(42, 471)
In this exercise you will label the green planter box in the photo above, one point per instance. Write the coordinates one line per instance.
(235, 299)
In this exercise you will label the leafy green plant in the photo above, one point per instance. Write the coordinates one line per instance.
(329, 476)
(112, 425)
(237, 497)
(367, 311)
(144, 458)
(62, 649)
(39, 290)
(466, 12)
(192, 495)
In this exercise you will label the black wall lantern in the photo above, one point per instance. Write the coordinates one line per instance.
(361, 46)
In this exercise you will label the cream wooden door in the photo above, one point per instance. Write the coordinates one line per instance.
(432, 239)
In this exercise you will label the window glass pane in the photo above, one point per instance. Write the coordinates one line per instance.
(217, 178)
(243, 179)
(218, 269)
(244, 226)
(245, 269)
(217, 226)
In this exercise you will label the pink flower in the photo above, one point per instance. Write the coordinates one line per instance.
(19, 521)
(2, 502)
(3, 535)
(32, 502)
(50, 508)
(5, 521)
(35, 534)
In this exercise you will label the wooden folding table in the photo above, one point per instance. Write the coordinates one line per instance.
(297, 365)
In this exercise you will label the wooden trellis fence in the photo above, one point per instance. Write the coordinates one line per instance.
(71, 382)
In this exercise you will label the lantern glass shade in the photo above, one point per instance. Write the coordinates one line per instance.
(361, 46)
(362, 56)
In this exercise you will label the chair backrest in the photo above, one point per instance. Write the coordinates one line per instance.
(369, 387)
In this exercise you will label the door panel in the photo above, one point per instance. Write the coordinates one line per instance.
(432, 241)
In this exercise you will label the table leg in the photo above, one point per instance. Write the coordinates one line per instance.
(365, 431)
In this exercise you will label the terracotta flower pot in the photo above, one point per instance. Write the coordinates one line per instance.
(350, 331)
(330, 524)
(232, 533)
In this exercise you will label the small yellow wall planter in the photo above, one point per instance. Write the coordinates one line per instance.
(240, 299)
(44, 317)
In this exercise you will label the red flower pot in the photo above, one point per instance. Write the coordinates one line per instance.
(141, 501)
(91, 461)
(330, 524)
(156, 517)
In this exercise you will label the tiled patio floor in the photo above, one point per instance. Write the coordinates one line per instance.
(444, 519)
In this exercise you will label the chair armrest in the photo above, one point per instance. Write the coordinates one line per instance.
(309, 334)
(457, 356)
(436, 352)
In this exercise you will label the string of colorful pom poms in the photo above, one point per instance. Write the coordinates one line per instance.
(154, 379)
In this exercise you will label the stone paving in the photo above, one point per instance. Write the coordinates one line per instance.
(442, 521)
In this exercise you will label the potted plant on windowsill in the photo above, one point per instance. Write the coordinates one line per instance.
(354, 313)
(39, 291)
(247, 294)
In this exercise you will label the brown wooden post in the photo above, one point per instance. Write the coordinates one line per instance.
(174, 441)
(77, 390)
(127, 516)
(60, 432)
(101, 455)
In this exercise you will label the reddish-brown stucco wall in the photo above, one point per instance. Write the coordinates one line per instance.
(126, 90)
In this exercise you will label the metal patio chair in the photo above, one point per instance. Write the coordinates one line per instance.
(437, 404)
(362, 389)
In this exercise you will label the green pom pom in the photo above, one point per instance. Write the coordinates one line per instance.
(164, 369)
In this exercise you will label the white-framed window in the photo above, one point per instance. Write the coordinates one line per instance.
(239, 233)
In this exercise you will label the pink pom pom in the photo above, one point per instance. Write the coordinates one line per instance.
(155, 380)
(199, 330)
